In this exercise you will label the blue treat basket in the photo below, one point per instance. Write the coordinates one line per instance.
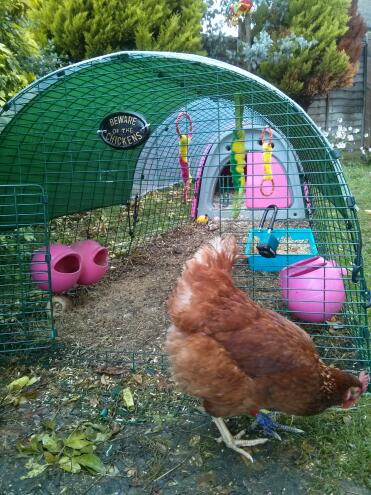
(259, 263)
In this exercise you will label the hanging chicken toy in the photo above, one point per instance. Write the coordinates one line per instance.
(267, 163)
(184, 140)
(238, 9)
(238, 159)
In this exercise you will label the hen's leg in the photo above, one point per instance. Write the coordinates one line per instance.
(269, 426)
(235, 443)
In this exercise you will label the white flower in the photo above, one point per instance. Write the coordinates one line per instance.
(340, 120)
(350, 137)
(341, 146)
(369, 150)
(356, 131)
(366, 135)
(325, 133)
(350, 128)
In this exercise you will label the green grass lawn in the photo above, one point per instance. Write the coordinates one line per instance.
(358, 176)
(337, 443)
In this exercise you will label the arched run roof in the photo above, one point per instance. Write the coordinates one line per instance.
(48, 132)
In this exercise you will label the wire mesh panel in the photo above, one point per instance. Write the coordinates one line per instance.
(214, 144)
(25, 310)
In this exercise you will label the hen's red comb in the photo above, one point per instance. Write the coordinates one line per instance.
(364, 379)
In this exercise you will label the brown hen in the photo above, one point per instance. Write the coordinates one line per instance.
(240, 357)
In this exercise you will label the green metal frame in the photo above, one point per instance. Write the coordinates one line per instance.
(48, 137)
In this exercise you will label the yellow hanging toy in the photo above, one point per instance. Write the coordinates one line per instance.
(184, 140)
(267, 161)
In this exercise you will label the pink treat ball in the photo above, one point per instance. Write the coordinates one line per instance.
(313, 289)
(65, 267)
(94, 261)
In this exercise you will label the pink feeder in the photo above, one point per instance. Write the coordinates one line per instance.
(94, 261)
(313, 289)
(258, 196)
(65, 268)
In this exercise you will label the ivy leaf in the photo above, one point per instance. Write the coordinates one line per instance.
(77, 440)
(102, 437)
(51, 443)
(89, 449)
(30, 447)
(70, 464)
(49, 457)
(96, 426)
(49, 424)
(35, 469)
(92, 462)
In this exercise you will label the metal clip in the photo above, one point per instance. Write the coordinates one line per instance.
(273, 219)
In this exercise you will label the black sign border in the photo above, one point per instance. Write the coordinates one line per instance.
(128, 112)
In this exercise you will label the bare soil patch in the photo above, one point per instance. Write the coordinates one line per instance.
(128, 309)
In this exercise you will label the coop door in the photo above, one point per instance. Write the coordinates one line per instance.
(261, 193)
(25, 309)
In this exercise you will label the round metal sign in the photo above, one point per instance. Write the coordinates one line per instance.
(124, 130)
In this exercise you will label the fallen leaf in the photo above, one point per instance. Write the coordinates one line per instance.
(94, 401)
(51, 443)
(74, 398)
(69, 464)
(18, 384)
(138, 378)
(30, 447)
(128, 398)
(49, 424)
(89, 449)
(49, 457)
(102, 437)
(111, 370)
(113, 470)
(105, 380)
(116, 428)
(35, 469)
(96, 426)
(77, 440)
(92, 462)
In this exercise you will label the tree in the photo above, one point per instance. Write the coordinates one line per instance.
(304, 48)
(317, 66)
(16, 45)
(86, 28)
(351, 42)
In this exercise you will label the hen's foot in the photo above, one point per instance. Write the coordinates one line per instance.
(269, 426)
(235, 442)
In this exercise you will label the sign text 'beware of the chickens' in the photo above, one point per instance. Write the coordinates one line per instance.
(124, 130)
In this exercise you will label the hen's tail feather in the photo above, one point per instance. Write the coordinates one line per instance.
(206, 276)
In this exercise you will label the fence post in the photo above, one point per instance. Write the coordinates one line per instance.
(366, 92)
